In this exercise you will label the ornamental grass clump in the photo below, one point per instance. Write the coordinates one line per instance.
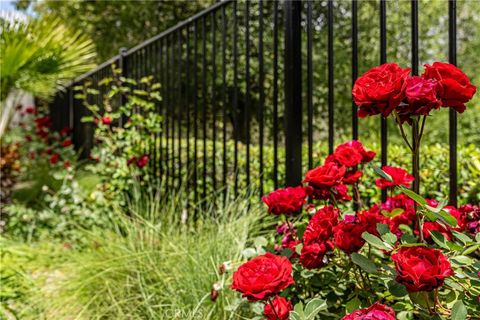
(404, 258)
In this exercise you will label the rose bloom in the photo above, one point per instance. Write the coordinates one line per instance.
(320, 227)
(313, 254)
(399, 176)
(106, 120)
(377, 311)
(434, 226)
(286, 201)
(143, 161)
(369, 219)
(263, 277)
(67, 143)
(328, 175)
(352, 176)
(54, 158)
(65, 131)
(421, 268)
(454, 87)
(367, 155)
(379, 90)
(471, 214)
(280, 311)
(420, 97)
(347, 156)
(348, 236)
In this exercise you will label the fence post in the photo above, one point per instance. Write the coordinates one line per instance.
(122, 64)
(293, 93)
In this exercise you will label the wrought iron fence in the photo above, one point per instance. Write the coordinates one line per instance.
(248, 75)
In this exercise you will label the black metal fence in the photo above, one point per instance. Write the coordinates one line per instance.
(242, 77)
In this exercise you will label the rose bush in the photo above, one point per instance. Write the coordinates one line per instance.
(406, 257)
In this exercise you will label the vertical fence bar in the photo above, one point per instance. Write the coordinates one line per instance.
(214, 101)
(224, 103)
(180, 108)
(275, 94)
(383, 59)
(195, 109)
(261, 80)
(246, 112)
(205, 103)
(235, 96)
(155, 71)
(452, 58)
(161, 109)
(293, 93)
(187, 102)
(354, 67)
(173, 103)
(331, 123)
(309, 84)
(414, 39)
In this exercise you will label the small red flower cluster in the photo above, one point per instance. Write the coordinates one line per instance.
(388, 88)
(340, 169)
(54, 143)
(141, 162)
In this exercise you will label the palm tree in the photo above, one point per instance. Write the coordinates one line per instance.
(39, 56)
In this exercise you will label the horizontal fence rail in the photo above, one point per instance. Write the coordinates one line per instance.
(250, 87)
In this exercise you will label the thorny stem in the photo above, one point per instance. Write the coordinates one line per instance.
(402, 132)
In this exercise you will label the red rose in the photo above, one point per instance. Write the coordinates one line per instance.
(347, 156)
(286, 201)
(399, 176)
(280, 311)
(379, 90)
(66, 164)
(454, 87)
(106, 120)
(369, 219)
(352, 176)
(348, 236)
(421, 268)
(143, 161)
(54, 158)
(367, 156)
(65, 131)
(434, 226)
(67, 143)
(263, 277)
(320, 227)
(377, 311)
(420, 97)
(328, 175)
(313, 254)
(471, 215)
(30, 110)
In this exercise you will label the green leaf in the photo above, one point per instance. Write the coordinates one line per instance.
(383, 228)
(471, 249)
(439, 239)
(459, 312)
(375, 241)
(363, 262)
(298, 248)
(87, 119)
(352, 305)
(462, 260)
(462, 237)
(414, 196)
(389, 238)
(447, 217)
(382, 173)
(298, 308)
(397, 289)
(313, 307)
(477, 237)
